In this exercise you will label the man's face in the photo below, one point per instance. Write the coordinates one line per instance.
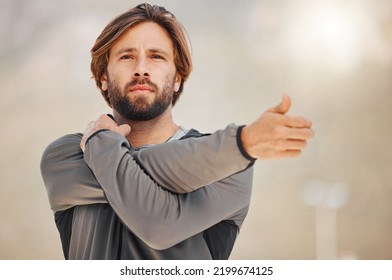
(141, 75)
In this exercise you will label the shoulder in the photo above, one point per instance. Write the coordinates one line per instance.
(66, 145)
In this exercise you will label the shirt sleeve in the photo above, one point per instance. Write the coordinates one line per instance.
(194, 162)
(160, 217)
(67, 178)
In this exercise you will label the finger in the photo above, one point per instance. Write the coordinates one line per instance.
(83, 144)
(86, 134)
(292, 153)
(283, 107)
(290, 144)
(288, 154)
(124, 130)
(89, 128)
(104, 121)
(299, 133)
(297, 121)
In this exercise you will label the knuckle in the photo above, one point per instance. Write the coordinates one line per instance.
(102, 117)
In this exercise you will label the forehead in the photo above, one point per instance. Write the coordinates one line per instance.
(145, 35)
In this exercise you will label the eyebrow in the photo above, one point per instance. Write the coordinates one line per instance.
(153, 50)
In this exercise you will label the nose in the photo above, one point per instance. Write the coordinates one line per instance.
(141, 69)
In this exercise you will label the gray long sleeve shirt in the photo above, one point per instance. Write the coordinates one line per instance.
(183, 199)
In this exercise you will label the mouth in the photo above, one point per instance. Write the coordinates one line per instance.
(141, 88)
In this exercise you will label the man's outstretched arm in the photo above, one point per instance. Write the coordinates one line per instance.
(275, 134)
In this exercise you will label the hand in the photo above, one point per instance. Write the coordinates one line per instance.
(277, 135)
(103, 122)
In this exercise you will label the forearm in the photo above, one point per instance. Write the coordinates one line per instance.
(195, 162)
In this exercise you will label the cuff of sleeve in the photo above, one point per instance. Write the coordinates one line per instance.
(94, 134)
(241, 147)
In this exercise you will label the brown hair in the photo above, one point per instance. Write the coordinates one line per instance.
(142, 13)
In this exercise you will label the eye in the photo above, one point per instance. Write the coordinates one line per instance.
(125, 57)
(157, 56)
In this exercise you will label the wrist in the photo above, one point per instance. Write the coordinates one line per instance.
(93, 135)
(243, 142)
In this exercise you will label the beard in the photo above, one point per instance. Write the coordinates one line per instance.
(139, 108)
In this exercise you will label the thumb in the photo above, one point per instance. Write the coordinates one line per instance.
(283, 107)
(123, 129)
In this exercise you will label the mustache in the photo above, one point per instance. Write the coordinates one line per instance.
(141, 81)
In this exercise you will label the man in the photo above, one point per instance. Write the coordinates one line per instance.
(136, 185)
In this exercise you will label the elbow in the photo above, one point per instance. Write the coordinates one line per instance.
(45, 174)
(54, 194)
(157, 237)
(53, 183)
(55, 197)
(158, 244)
(157, 240)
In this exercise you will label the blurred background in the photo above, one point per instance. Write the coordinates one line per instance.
(333, 57)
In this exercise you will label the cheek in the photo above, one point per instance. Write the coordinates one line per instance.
(174, 78)
(173, 81)
(119, 72)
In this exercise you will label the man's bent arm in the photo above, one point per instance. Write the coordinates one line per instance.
(69, 181)
(108, 157)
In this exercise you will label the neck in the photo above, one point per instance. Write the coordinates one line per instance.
(154, 131)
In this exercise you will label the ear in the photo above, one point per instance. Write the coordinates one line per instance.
(104, 82)
(177, 82)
